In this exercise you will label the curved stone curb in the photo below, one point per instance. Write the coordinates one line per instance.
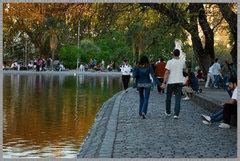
(101, 136)
(97, 130)
(106, 149)
(207, 104)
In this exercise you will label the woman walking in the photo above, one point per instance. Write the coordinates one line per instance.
(142, 75)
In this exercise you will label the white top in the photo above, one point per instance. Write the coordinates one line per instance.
(175, 66)
(234, 95)
(126, 69)
(30, 65)
(210, 70)
(216, 69)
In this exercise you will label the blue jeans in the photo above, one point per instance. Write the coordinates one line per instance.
(225, 81)
(144, 93)
(217, 116)
(195, 85)
(177, 90)
(217, 80)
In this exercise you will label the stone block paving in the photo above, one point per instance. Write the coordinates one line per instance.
(160, 136)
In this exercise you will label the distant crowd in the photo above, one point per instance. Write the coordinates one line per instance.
(39, 64)
(94, 66)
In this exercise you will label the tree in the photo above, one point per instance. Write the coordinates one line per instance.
(113, 46)
(149, 28)
(136, 36)
(51, 35)
(187, 15)
(231, 17)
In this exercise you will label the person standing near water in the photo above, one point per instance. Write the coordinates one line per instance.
(126, 70)
(142, 75)
(173, 80)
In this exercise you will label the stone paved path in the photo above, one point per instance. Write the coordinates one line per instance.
(160, 136)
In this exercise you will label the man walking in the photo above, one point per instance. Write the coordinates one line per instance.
(210, 77)
(174, 79)
(159, 71)
(216, 70)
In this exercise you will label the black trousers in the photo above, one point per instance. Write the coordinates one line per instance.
(125, 80)
(160, 90)
(175, 88)
(228, 111)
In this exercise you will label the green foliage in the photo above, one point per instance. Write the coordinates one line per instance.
(87, 50)
(113, 47)
(223, 53)
(161, 37)
(68, 55)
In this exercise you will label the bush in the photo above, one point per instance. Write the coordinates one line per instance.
(69, 56)
(70, 53)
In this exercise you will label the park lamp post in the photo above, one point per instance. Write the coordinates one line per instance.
(25, 50)
(78, 43)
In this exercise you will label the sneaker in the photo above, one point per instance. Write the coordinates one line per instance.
(224, 125)
(143, 116)
(167, 114)
(206, 122)
(208, 118)
(186, 98)
(176, 117)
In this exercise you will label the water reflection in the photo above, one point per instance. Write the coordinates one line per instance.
(49, 115)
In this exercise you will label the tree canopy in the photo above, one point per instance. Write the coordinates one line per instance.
(115, 31)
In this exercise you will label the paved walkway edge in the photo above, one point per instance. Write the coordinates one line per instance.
(106, 149)
(205, 103)
(103, 129)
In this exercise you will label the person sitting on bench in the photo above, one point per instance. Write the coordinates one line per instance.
(230, 107)
(216, 117)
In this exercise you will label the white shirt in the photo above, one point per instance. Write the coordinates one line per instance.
(30, 65)
(175, 66)
(210, 70)
(234, 95)
(216, 69)
(126, 69)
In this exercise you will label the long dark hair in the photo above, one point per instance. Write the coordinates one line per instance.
(144, 61)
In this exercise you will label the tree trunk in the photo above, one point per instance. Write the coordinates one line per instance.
(140, 51)
(134, 52)
(36, 40)
(137, 53)
(202, 59)
(234, 55)
(53, 51)
(231, 19)
(202, 54)
(208, 34)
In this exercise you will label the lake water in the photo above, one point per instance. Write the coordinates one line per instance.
(50, 115)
